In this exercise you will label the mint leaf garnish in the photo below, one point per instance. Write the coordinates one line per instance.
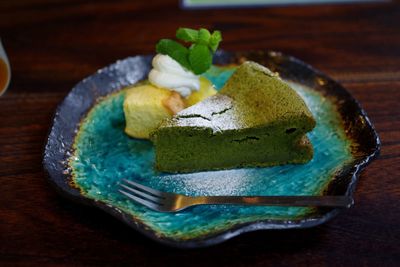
(187, 35)
(204, 36)
(215, 39)
(174, 50)
(197, 58)
(200, 58)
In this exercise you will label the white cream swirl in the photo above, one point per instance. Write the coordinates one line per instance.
(169, 74)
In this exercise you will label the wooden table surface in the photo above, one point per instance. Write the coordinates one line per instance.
(52, 45)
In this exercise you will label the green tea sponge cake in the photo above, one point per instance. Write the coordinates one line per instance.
(256, 120)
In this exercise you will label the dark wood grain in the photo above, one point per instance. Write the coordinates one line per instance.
(54, 44)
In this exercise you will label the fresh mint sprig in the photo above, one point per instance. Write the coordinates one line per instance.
(215, 39)
(198, 57)
(187, 35)
(175, 50)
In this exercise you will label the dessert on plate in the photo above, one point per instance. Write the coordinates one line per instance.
(173, 83)
(256, 119)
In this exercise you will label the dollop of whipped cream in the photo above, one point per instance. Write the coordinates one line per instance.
(169, 74)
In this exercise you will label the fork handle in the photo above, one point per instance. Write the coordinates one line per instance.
(287, 201)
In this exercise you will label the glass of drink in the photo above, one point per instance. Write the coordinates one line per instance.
(5, 73)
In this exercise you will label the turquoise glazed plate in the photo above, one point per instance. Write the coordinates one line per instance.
(88, 153)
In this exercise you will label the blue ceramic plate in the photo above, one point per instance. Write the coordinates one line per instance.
(88, 153)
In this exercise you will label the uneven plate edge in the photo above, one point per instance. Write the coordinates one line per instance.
(60, 180)
(279, 60)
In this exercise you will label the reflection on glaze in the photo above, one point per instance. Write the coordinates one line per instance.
(104, 155)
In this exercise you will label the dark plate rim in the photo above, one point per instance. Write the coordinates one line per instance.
(85, 94)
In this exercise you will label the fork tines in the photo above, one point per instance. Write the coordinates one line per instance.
(144, 195)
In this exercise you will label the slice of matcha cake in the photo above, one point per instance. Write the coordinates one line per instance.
(256, 120)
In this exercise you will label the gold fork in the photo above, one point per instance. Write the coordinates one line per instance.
(170, 202)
